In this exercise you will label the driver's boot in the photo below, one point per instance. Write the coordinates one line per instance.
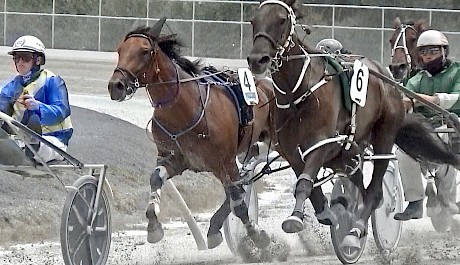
(413, 211)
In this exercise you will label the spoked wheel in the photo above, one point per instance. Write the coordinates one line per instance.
(386, 230)
(345, 190)
(81, 242)
(234, 229)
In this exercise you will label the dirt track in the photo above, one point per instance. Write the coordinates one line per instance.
(30, 208)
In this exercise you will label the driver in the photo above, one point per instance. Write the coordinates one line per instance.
(37, 98)
(439, 83)
(331, 46)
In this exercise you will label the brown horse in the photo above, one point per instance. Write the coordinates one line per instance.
(404, 56)
(315, 129)
(195, 123)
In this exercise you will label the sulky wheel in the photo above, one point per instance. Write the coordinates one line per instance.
(81, 242)
(234, 229)
(442, 222)
(386, 230)
(345, 192)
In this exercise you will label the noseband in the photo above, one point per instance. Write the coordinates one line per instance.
(133, 81)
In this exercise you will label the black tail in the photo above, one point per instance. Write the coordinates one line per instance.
(416, 138)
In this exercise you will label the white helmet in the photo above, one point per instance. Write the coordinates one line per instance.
(29, 43)
(432, 38)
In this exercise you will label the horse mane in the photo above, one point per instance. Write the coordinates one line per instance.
(171, 46)
(308, 48)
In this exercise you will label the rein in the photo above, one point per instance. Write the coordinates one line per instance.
(134, 84)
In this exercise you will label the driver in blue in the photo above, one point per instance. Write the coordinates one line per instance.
(37, 98)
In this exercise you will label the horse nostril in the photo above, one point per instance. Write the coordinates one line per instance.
(402, 67)
(265, 59)
(118, 85)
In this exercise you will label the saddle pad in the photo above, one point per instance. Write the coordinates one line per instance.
(334, 67)
(234, 89)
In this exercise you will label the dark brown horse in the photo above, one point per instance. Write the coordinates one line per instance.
(195, 124)
(404, 56)
(315, 129)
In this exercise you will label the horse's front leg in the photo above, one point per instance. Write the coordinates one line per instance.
(303, 190)
(154, 228)
(371, 200)
(159, 176)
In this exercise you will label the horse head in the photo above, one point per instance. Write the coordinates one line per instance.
(273, 28)
(404, 56)
(135, 56)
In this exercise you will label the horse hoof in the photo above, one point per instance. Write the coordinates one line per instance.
(154, 229)
(154, 234)
(214, 240)
(350, 242)
(292, 224)
(328, 216)
(262, 240)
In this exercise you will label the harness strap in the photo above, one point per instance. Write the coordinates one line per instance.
(338, 139)
(351, 136)
(174, 136)
(185, 80)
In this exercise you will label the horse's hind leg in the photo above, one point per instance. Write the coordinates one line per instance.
(215, 224)
(240, 209)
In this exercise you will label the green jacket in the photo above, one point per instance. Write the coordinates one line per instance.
(446, 85)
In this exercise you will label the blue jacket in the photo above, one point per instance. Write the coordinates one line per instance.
(54, 110)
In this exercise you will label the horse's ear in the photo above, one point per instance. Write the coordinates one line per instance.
(421, 25)
(396, 23)
(156, 29)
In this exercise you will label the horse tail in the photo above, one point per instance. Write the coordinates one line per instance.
(417, 139)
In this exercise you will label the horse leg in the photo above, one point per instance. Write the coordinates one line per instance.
(215, 224)
(303, 189)
(371, 199)
(154, 229)
(239, 208)
(324, 214)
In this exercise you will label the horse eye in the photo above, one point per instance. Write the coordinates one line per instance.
(145, 52)
(283, 20)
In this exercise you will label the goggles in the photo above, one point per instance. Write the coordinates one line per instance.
(25, 57)
(430, 51)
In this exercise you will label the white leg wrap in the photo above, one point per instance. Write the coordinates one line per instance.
(155, 196)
